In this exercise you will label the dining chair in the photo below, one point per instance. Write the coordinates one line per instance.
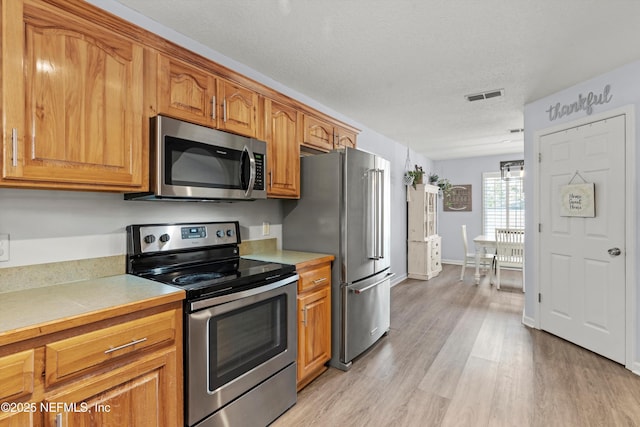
(509, 250)
(486, 260)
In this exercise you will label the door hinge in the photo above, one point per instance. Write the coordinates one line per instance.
(539, 157)
(539, 297)
(539, 227)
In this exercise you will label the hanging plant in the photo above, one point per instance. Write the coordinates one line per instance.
(417, 174)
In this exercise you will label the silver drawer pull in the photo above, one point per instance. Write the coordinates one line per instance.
(323, 279)
(129, 344)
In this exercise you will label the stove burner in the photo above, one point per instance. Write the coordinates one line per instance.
(189, 279)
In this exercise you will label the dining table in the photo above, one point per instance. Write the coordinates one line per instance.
(484, 243)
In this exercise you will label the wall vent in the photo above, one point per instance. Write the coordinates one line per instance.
(485, 95)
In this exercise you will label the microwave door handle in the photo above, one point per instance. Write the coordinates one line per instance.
(252, 170)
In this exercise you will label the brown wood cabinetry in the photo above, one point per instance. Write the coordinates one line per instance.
(325, 136)
(123, 370)
(314, 320)
(73, 104)
(186, 92)
(344, 138)
(283, 150)
(238, 107)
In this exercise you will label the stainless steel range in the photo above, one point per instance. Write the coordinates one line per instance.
(240, 320)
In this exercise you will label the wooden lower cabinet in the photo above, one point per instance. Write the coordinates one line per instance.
(139, 383)
(129, 396)
(314, 321)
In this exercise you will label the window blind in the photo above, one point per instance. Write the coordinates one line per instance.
(502, 203)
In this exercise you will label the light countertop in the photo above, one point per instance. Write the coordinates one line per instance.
(299, 259)
(29, 313)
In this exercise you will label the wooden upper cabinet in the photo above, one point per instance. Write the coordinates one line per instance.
(318, 134)
(186, 92)
(325, 136)
(73, 105)
(345, 138)
(238, 108)
(283, 150)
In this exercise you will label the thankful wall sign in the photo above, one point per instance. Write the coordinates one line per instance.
(583, 103)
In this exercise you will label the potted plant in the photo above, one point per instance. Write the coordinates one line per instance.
(444, 185)
(417, 174)
(433, 178)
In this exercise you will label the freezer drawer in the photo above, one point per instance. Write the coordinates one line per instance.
(367, 315)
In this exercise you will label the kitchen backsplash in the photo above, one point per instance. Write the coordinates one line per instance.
(40, 275)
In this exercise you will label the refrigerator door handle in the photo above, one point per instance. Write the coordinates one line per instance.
(381, 214)
(358, 291)
(372, 214)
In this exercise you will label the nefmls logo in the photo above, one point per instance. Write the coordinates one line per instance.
(584, 103)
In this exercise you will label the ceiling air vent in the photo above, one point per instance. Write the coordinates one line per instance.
(485, 95)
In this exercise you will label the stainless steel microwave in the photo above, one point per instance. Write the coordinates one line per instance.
(191, 162)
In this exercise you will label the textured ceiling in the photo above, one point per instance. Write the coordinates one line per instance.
(402, 67)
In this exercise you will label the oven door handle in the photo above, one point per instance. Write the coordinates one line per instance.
(206, 303)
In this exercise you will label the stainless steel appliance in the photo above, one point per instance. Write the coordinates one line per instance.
(240, 320)
(191, 162)
(344, 210)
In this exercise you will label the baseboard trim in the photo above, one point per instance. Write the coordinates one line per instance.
(527, 321)
(398, 279)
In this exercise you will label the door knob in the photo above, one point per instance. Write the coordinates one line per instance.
(614, 251)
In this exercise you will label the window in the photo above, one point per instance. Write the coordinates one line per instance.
(502, 203)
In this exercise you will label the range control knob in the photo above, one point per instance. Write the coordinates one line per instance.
(165, 238)
(230, 232)
(220, 233)
(149, 238)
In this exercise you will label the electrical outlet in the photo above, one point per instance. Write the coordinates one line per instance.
(4, 247)
(266, 228)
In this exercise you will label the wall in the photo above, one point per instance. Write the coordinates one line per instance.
(52, 226)
(625, 90)
(464, 171)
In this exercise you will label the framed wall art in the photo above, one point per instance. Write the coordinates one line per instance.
(458, 199)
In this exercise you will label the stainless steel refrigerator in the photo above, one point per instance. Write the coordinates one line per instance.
(344, 210)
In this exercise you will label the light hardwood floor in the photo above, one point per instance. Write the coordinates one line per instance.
(457, 354)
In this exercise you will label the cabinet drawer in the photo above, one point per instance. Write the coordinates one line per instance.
(16, 375)
(315, 276)
(70, 357)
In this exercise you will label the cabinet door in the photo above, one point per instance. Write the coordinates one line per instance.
(73, 108)
(19, 419)
(238, 107)
(318, 134)
(345, 138)
(314, 331)
(283, 150)
(142, 393)
(186, 92)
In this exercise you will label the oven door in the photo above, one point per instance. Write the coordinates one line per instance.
(236, 343)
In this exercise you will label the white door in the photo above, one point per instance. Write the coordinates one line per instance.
(582, 280)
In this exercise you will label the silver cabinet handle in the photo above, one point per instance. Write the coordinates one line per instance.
(323, 279)
(304, 316)
(614, 251)
(14, 144)
(224, 110)
(58, 420)
(129, 344)
(213, 107)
